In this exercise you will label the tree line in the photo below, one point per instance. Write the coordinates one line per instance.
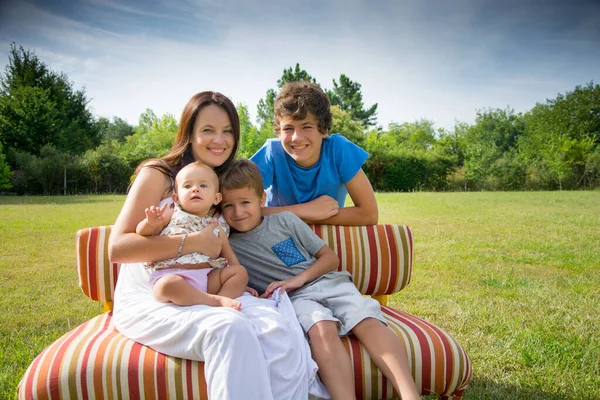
(51, 143)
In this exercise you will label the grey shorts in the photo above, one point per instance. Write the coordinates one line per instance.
(334, 299)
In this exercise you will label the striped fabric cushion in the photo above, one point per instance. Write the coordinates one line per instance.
(97, 275)
(378, 257)
(94, 361)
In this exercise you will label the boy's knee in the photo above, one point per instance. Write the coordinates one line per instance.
(323, 331)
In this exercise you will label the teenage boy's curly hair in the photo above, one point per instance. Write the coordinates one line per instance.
(240, 174)
(296, 99)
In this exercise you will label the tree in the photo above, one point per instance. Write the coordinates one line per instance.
(39, 106)
(347, 96)
(560, 135)
(343, 123)
(5, 172)
(265, 108)
(117, 129)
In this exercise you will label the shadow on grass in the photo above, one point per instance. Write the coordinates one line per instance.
(48, 200)
(481, 389)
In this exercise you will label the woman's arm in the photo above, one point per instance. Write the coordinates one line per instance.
(227, 251)
(125, 246)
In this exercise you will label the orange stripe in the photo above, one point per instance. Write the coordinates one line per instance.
(385, 261)
(82, 270)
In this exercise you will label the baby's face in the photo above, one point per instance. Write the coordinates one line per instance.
(197, 190)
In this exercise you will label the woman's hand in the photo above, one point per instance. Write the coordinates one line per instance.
(204, 242)
(288, 285)
(251, 291)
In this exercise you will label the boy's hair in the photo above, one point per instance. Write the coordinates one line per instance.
(197, 164)
(297, 99)
(242, 173)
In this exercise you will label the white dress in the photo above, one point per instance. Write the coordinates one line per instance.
(259, 353)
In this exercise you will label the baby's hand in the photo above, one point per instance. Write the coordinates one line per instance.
(154, 215)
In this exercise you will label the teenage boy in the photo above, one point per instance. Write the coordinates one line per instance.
(281, 251)
(309, 172)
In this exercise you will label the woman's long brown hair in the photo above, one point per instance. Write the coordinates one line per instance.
(181, 153)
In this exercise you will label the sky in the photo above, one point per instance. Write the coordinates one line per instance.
(442, 60)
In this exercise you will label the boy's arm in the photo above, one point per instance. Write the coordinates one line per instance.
(364, 211)
(327, 261)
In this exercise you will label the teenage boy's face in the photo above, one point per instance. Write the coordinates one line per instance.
(301, 139)
(242, 208)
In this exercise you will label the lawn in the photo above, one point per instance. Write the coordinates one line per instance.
(514, 277)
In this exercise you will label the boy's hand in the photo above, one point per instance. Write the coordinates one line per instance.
(154, 215)
(251, 291)
(321, 208)
(288, 285)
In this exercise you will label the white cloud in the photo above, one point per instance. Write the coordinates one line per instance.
(415, 60)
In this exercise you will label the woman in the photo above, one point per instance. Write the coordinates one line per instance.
(247, 355)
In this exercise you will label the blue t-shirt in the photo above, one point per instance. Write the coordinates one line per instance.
(287, 183)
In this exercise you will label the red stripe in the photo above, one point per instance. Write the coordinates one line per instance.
(86, 357)
(93, 263)
(394, 260)
(161, 376)
(338, 242)
(28, 387)
(373, 269)
(188, 378)
(357, 366)
(421, 337)
(54, 367)
(133, 370)
(115, 274)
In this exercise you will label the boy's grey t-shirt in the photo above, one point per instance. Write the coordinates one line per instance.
(281, 247)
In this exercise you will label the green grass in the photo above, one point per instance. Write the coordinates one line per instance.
(514, 277)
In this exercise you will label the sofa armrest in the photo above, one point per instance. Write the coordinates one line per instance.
(97, 275)
(378, 257)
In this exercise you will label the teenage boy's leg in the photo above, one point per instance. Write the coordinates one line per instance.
(233, 280)
(388, 353)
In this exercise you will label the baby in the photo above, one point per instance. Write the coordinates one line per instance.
(193, 278)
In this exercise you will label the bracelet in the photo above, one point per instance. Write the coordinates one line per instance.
(181, 245)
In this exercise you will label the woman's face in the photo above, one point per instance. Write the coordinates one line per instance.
(212, 139)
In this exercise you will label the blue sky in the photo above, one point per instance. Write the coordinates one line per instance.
(437, 59)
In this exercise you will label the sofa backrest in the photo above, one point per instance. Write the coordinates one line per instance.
(379, 258)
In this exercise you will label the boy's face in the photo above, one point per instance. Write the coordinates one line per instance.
(197, 190)
(301, 139)
(242, 208)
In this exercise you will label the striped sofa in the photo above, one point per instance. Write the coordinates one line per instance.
(94, 361)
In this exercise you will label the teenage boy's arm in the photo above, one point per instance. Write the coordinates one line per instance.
(325, 209)
(364, 211)
(327, 261)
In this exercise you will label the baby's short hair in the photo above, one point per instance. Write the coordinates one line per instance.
(297, 99)
(242, 173)
(197, 164)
